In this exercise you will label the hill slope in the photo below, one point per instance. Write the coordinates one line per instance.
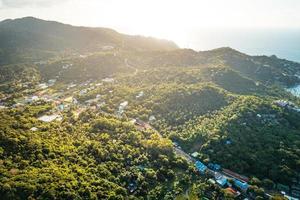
(28, 36)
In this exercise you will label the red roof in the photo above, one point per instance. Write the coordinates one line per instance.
(229, 189)
(235, 175)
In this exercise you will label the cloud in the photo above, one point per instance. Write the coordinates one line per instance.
(28, 3)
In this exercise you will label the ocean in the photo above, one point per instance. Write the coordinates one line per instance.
(284, 43)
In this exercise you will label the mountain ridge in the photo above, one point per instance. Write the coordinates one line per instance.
(50, 37)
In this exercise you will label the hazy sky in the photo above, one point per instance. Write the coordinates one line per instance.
(171, 19)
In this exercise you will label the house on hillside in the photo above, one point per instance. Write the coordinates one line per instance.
(200, 167)
(152, 118)
(195, 154)
(51, 82)
(234, 175)
(122, 107)
(42, 86)
(241, 185)
(108, 80)
(34, 129)
(50, 118)
(140, 94)
(232, 191)
(215, 167)
(221, 180)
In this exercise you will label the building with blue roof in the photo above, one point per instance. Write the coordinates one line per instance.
(241, 185)
(221, 181)
(200, 166)
(215, 167)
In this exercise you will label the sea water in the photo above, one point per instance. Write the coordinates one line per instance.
(284, 43)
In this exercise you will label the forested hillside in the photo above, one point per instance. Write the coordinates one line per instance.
(32, 39)
(89, 113)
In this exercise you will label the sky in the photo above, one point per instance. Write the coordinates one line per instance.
(170, 19)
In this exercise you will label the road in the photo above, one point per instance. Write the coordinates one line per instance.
(181, 153)
(130, 66)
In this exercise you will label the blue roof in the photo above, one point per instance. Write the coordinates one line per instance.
(213, 166)
(228, 141)
(200, 166)
(222, 181)
(241, 185)
(217, 167)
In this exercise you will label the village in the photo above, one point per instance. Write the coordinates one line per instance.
(63, 98)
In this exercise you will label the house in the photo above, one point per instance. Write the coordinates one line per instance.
(82, 92)
(31, 99)
(200, 167)
(51, 81)
(68, 99)
(212, 181)
(34, 129)
(48, 118)
(222, 180)
(140, 94)
(61, 107)
(71, 86)
(195, 154)
(215, 167)
(232, 191)
(43, 86)
(234, 175)
(228, 142)
(241, 185)
(108, 80)
(122, 106)
(152, 118)
(133, 121)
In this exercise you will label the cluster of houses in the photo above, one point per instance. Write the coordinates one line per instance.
(221, 177)
(239, 183)
(42, 93)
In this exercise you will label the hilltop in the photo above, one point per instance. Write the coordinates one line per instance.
(30, 38)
